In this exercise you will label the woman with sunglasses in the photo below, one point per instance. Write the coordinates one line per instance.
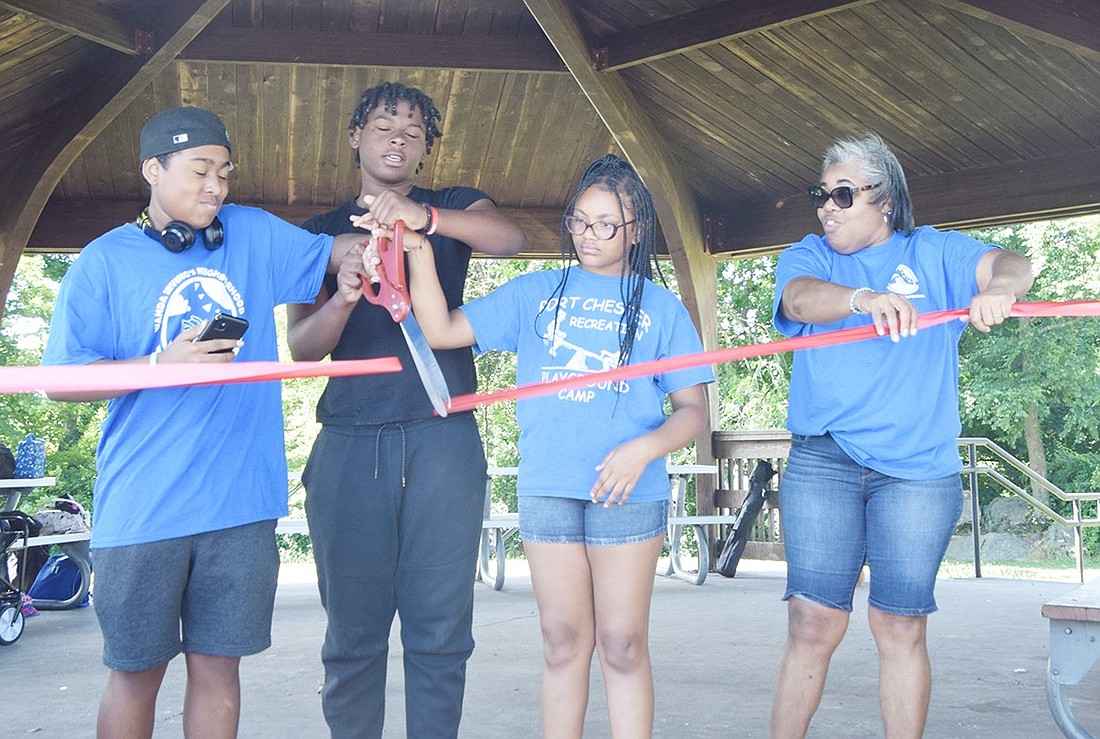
(592, 487)
(873, 473)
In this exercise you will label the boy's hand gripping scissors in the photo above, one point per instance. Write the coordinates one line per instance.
(393, 295)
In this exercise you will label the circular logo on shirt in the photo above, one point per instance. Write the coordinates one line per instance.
(194, 296)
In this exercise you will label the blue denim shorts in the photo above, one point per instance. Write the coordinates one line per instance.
(836, 514)
(549, 520)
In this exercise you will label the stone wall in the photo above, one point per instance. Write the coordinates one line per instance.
(1011, 531)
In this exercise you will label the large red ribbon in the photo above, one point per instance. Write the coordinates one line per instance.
(115, 377)
(123, 377)
(720, 356)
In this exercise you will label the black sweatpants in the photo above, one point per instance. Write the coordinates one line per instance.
(395, 518)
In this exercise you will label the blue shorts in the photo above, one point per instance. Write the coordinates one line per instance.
(836, 514)
(549, 520)
(210, 594)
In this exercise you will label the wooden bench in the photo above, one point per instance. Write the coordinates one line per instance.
(1074, 648)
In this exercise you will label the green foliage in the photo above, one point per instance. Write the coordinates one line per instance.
(294, 547)
(753, 392)
(1051, 363)
(1048, 362)
(70, 430)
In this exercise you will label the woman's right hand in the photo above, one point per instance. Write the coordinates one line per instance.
(891, 313)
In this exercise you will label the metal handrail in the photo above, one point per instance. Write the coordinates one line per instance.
(972, 468)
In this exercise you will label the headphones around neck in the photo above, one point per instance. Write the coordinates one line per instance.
(177, 236)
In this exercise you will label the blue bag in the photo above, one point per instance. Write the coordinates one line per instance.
(30, 458)
(59, 579)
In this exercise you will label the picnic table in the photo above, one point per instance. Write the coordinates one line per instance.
(75, 544)
(1074, 649)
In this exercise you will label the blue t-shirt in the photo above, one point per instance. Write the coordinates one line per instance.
(564, 435)
(892, 407)
(180, 461)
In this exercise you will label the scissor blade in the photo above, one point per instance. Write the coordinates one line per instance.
(430, 373)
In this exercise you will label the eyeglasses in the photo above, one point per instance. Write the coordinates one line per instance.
(842, 196)
(602, 230)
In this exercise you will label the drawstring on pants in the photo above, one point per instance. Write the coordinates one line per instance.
(378, 450)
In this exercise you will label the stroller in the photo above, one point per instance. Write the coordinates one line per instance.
(15, 526)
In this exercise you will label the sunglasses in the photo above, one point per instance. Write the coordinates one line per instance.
(602, 230)
(842, 196)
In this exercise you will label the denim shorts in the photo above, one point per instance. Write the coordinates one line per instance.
(210, 594)
(836, 514)
(549, 520)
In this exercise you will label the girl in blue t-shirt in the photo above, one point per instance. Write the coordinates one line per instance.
(593, 490)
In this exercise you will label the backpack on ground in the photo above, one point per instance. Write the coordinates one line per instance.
(60, 579)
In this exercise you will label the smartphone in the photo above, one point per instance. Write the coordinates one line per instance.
(222, 326)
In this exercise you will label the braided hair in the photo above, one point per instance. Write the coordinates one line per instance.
(388, 94)
(614, 175)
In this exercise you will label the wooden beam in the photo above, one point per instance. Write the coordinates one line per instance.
(419, 51)
(720, 22)
(100, 24)
(1073, 25)
(28, 181)
(1019, 192)
(68, 225)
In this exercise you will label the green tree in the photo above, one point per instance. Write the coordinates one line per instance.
(753, 392)
(1033, 385)
(70, 430)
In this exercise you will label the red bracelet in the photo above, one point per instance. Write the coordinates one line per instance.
(433, 220)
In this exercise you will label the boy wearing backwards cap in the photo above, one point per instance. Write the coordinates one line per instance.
(190, 480)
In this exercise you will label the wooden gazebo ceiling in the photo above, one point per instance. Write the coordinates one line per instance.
(725, 107)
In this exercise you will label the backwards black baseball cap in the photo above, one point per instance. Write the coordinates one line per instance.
(181, 128)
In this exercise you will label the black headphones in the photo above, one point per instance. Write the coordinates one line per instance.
(177, 236)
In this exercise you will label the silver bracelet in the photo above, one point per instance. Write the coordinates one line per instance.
(852, 299)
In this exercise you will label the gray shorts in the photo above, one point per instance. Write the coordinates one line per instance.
(210, 593)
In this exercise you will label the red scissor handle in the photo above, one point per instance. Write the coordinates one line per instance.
(392, 290)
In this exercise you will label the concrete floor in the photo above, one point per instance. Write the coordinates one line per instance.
(988, 646)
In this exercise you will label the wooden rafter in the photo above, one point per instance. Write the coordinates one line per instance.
(27, 184)
(1073, 25)
(413, 50)
(97, 23)
(1057, 187)
(68, 225)
(721, 22)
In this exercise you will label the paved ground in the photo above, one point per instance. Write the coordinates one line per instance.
(988, 644)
